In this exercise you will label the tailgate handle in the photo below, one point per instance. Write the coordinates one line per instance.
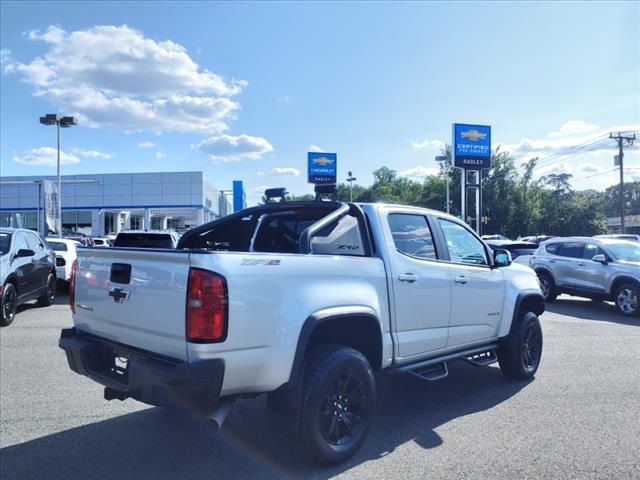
(120, 273)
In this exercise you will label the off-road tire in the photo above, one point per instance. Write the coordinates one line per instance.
(520, 352)
(338, 403)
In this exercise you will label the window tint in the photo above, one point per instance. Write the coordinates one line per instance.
(590, 250)
(552, 248)
(571, 249)
(411, 235)
(57, 246)
(5, 242)
(463, 246)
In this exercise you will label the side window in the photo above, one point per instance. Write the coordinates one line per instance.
(21, 242)
(590, 250)
(571, 249)
(34, 242)
(552, 248)
(411, 235)
(463, 246)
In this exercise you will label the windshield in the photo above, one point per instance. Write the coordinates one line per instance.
(627, 252)
(5, 243)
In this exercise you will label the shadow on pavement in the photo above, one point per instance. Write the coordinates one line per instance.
(157, 443)
(588, 310)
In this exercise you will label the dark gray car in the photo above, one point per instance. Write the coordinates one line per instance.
(600, 269)
(27, 271)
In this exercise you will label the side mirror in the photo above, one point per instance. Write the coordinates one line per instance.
(502, 258)
(25, 252)
(600, 258)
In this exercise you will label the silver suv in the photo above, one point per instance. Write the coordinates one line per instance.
(600, 269)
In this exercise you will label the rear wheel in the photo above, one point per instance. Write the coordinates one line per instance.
(548, 287)
(338, 403)
(520, 353)
(9, 304)
(626, 298)
(50, 295)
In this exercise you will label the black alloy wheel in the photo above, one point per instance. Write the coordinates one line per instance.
(9, 304)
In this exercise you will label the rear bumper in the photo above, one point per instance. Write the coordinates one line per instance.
(146, 377)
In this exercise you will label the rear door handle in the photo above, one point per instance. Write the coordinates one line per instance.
(581, 264)
(408, 277)
(462, 280)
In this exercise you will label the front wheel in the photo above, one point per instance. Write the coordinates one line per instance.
(548, 287)
(50, 295)
(626, 298)
(520, 353)
(9, 304)
(338, 403)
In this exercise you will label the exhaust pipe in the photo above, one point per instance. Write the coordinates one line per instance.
(218, 414)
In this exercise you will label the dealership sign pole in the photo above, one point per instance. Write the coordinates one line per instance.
(471, 153)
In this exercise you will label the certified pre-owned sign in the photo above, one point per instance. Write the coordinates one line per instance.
(322, 168)
(471, 146)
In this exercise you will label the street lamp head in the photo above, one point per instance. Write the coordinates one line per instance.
(350, 174)
(49, 119)
(66, 122)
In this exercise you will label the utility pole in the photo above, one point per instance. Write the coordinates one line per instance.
(622, 141)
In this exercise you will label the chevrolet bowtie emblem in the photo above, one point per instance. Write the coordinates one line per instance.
(322, 161)
(473, 135)
(119, 295)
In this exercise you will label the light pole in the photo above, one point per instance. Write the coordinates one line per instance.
(443, 158)
(59, 122)
(351, 179)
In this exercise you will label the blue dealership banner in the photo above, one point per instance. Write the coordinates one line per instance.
(471, 146)
(238, 196)
(322, 168)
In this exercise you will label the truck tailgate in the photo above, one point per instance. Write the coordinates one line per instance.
(135, 297)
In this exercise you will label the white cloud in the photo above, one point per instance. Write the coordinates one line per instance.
(146, 144)
(567, 145)
(284, 99)
(160, 155)
(315, 148)
(92, 154)
(46, 156)
(419, 173)
(588, 168)
(282, 172)
(433, 144)
(227, 148)
(573, 127)
(115, 77)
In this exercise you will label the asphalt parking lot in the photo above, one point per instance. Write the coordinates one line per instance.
(579, 418)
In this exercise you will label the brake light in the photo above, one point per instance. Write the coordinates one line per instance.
(207, 308)
(72, 286)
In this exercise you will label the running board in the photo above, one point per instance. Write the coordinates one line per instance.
(436, 368)
(431, 372)
(482, 359)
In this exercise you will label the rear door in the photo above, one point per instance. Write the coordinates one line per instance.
(41, 260)
(568, 261)
(421, 285)
(134, 297)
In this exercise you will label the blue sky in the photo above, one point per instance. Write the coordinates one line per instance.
(244, 90)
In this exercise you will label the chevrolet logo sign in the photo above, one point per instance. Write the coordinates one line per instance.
(473, 135)
(322, 161)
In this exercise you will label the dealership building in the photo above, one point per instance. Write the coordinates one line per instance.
(105, 204)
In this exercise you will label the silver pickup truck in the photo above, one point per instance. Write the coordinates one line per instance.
(307, 302)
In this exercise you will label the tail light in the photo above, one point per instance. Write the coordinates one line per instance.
(72, 286)
(207, 308)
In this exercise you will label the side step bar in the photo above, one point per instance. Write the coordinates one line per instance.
(435, 368)
(482, 359)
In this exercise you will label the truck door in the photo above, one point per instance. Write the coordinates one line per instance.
(421, 285)
(478, 290)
